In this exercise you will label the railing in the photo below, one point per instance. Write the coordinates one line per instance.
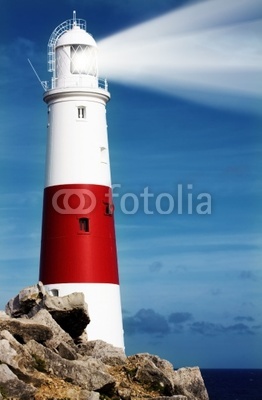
(73, 82)
(59, 30)
(103, 84)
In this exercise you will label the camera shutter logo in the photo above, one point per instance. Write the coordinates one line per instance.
(67, 194)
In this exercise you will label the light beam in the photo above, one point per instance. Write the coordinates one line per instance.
(202, 52)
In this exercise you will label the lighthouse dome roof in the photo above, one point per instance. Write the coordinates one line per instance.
(76, 36)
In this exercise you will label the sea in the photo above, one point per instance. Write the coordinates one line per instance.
(233, 384)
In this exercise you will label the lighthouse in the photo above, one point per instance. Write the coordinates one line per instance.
(78, 246)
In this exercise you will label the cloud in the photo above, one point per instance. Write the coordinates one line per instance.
(240, 329)
(146, 321)
(247, 275)
(256, 327)
(206, 328)
(156, 266)
(179, 317)
(177, 320)
(216, 292)
(213, 329)
(241, 318)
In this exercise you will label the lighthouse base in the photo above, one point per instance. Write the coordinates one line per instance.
(104, 307)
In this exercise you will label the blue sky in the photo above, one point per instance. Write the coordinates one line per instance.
(190, 283)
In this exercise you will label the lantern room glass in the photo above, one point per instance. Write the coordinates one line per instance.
(83, 60)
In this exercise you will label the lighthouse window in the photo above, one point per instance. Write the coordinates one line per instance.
(109, 208)
(81, 112)
(54, 292)
(103, 154)
(84, 224)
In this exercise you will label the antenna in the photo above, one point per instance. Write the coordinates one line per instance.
(74, 18)
(42, 83)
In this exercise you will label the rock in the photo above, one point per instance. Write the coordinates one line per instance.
(163, 365)
(70, 312)
(7, 353)
(56, 389)
(149, 371)
(124, 393)
(18, 359)
(145, 375)
(24, 330)
(3, 315)
(66, 351)
(59, 335)
(189, 382)
(90, 374)
(174, 397)
(94, 396)
(45, 354)
(82, 339)
(12, 387)
(27, 302)
(103, 351)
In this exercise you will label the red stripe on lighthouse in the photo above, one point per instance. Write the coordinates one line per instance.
(78, 235)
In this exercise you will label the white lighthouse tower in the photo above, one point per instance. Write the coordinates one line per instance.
(78, 248)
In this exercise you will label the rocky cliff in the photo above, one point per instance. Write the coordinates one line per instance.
(45, 354)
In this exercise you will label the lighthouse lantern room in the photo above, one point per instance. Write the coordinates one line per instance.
(78, 247)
